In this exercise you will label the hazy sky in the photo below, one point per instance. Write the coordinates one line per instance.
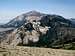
(11, 8)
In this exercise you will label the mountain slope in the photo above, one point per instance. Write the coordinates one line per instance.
(21, 19)
(38, 29)
(73, 22)
(30, 16)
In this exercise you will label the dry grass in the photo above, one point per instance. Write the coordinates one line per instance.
(34, 51)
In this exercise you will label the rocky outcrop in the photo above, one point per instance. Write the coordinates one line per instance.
(26, 35)
(41, 30)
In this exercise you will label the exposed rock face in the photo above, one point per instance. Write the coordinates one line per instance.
(36, 29)
(27, 34)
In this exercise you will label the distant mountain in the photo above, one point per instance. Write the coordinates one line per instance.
(38, 29)
(73, 22)
(21, 19)
(1, 23)
(30, 16)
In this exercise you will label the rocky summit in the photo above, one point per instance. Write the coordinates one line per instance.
(39, 30)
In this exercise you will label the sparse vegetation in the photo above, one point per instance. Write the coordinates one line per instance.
(43, 30)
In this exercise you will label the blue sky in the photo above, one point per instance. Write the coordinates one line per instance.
(11, 8)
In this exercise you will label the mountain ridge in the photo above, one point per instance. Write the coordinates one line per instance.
(43, 30)
(23, 18)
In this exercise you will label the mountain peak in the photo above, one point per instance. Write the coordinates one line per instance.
(34, 13)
